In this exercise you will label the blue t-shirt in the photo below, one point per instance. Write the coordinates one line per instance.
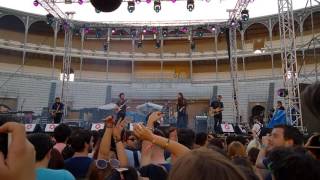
(78, 166)
(51, 174)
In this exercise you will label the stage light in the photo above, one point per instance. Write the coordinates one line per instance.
(157, 6)
(113, 31)
(233, 23)
(245, 15)
(131, 6)
(144, 30)
(190, 5)
(164, 32)
(50, 19)
(173, 1)
(213, 29)
(36, 3)
(106, 5)
(148, 1)
(138, 1)
(154, 30)
(80, 2)
(184, 29)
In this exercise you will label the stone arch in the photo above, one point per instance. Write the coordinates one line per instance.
(12, 28)
(41, 33)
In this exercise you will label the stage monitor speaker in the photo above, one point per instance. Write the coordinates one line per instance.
(310, 121)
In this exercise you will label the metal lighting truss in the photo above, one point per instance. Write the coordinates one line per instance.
(65, 21)
(234, 17)
(289, 63)
(65, 91)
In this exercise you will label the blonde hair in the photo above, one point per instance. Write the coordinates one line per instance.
(236, 149)
(204, 164)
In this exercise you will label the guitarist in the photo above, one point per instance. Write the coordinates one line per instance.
(217, 107)
(182, 121)
(57, 110)
(121, 107)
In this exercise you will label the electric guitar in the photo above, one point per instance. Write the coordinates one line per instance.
(120, 108)
(55, 112)
(213, 112)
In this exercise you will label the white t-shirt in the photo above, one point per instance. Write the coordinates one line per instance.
(256, 129)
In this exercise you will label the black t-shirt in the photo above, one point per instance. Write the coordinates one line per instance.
(217, 104)
(121, 102)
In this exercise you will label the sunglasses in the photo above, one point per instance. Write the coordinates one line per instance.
(103, 164)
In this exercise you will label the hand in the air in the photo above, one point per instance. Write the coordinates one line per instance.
(143, 132)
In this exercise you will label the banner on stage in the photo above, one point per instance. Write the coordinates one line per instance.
(50, 127)
(97, 126)
(227, 128)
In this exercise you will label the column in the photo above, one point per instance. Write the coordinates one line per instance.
(25, 42)
(81, 57)
(54, 49)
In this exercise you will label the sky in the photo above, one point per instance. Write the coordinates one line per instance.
(215, 10)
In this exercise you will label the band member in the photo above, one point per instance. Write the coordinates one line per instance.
(182, 121)
(121, 107)
(217, 107)
(57, 110)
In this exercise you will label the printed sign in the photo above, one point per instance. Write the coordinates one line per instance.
(50, 127)
(227, 128)
(97, 126)
(30, 127)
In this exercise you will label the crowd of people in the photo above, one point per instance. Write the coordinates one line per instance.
(155, 152)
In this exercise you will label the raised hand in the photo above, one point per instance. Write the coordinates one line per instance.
(20, 162)
(155, 116)
(142, 132)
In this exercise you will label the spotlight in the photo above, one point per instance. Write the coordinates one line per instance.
(80, 2)
(36, 3)
(213, 28)
(190, 5)
(154, 30)
(138, 1)
(144, 30)
(50, 19)
(131, 6)
(245, 15)
(157, 6)
(113, 31)
(106, 6)
(164, 32)
(184, 29)
(148, 1)
(233, 23)
(173, 1)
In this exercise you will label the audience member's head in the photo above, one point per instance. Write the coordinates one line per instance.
(311, 99)
(313, 145)
(173, 134)
(43, 145)
(186, 137)
(56, 161)
(293, 164)
(246, 167)
(98, 173)
(61, 133)
(204, 164)
(285, 135)
(130, 140)
(81, 141)
(236, 149)
(253, 154)
(217, 142)
(201, 139)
